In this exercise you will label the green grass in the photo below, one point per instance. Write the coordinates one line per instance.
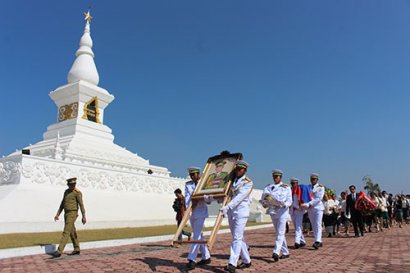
(45, 238)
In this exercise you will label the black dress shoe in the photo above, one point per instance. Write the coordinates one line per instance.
(56, 254)
(302, 245)
(316, 245)
(297, 245)
(362, 234)
(75, 252)
(320, 244)
(190, 265)
(230, 268)
(203, 262)
(244, 265)
(275, 257)
(284, 256)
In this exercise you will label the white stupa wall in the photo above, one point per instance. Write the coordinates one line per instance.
(32, 187)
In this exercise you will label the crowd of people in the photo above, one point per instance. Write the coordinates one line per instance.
(310, 207)
(388, 211)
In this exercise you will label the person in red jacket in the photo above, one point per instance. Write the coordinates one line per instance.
(180, 208)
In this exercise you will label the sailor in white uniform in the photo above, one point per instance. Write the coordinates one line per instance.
(277, 197)
(296, 213)
(237, 211)
(315, 209)
(197, 219)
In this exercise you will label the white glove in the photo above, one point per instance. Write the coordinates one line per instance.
(224, 210)
(208, 199)
(276, 203)
(305, 205)
(264, 203)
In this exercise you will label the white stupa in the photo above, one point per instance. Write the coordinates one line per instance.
(120, 188)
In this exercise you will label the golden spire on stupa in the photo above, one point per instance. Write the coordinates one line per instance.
(88, 16)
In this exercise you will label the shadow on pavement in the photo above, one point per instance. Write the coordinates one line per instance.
(266, 259)
(153, 263)
(220, 256)
(260, 246)
(158, 245)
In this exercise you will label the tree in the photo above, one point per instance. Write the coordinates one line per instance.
(370, 185)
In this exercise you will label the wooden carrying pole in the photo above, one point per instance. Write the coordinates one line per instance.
(182, 224)
(218, 223)
(185, 219)
(226, 198)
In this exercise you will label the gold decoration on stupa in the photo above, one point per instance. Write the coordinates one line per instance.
(88, 16)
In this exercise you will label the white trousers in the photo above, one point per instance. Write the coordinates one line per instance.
(238, 245)
(197, 225)
(297, 219)
(280, 241)
(315, 217)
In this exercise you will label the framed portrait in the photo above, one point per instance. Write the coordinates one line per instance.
(217, 175)
(215, 181)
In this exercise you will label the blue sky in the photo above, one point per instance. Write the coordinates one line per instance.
(298, 85)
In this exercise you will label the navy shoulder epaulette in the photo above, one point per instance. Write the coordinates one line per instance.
(248, 179)
(284, 185)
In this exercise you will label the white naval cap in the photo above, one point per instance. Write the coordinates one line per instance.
(294, 179)
(277, 172)
(192, 170)
(314, 175)
(242, 164)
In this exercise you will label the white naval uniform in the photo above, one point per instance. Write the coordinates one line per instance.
(279, 213)
(296, 213)
(238, 214)
(198, 215)
(315, 210)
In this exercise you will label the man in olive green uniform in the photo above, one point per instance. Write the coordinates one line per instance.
(72, 199)
(218, 178)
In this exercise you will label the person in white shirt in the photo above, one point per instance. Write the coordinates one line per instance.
(336, 215)
(384, 210)
(344, 216)
(237, 211)
(296, 213)
(277, 197)
(328, 214)
(198, 215)
(315, 209)
(377, 212)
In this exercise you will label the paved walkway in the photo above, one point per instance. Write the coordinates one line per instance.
(387, 251)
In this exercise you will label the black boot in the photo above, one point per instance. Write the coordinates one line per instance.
(297, 245)
(190, 265)
(244, 265)
(230, 268)
(203, 262)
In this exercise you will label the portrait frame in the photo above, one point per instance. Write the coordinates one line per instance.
(217, 176)
(212, 187)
